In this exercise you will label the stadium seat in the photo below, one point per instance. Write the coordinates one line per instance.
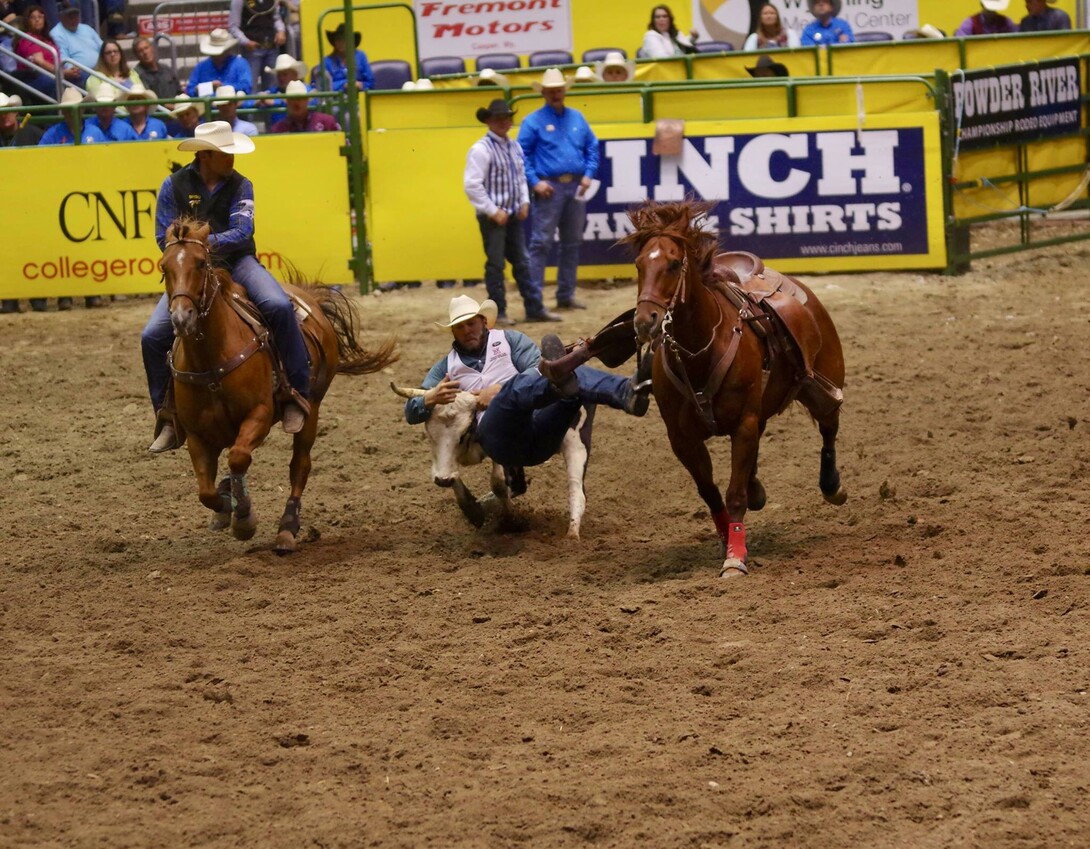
(713, 46)
(599, 53)
(391, 74)
(437, 65)
(873, 36)
(548, 58)
(498, 61)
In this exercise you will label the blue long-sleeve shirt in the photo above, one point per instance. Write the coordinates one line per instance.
(235, 72)
(118, 131)
(338, 71)
(241, 218)
(555, 144)
(837, 31)
(524, 356)
(61, 134)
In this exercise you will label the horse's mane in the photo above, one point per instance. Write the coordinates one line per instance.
(683, 221)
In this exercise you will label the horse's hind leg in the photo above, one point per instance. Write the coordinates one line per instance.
(755, 491)
(288, 530)
(829, 476)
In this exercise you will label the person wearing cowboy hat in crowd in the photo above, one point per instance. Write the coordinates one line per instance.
(157, 78)
(826, 28)
(222, 67)
(336, 67)
(614, 68)
(186, 117)
(490, 76)
(146, 127)
(105, 117)
(12, 131)
(561, 153)
(495, 183)
(767, 67)
(525, 402)
(261, 34)
(73, 124)
(301, 118)
(988, 21)
(227, 110)
(210, 189)
(287, 70)
(1043, 17)
(584, 75)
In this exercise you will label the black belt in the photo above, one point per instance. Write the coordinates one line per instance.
(565, 178)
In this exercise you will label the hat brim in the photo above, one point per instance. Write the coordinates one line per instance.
(995, 5)
(776, 68)
(332, 34)
(539, 87)
(208, 49)
(185, 107)
(488, 311)
(239, 144)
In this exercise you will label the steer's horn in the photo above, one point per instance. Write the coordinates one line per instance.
(406, 393)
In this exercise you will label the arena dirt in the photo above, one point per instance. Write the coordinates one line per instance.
(909, 670)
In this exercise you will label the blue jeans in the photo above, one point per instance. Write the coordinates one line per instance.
(260, 58)
(267, 295)
(508, 243)
(569, 213)
(525, 423)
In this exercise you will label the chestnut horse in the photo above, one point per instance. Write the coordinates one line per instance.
(734, 344)
(223, 367)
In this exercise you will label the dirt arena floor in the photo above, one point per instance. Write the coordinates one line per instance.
(908, 670)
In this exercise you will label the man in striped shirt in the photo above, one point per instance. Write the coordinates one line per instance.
(495, 183)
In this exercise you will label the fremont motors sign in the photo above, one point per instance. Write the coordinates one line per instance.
(503, 26)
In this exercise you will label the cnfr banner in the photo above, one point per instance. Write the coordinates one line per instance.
(496, 26)
(1015, 104)
(83, 218)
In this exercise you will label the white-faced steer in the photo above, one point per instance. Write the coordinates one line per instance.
(451, 430)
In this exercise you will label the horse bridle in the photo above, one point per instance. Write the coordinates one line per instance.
(677, 298)
(204, 306)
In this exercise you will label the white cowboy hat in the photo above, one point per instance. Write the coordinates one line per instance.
(106, 94)
(286, 62)
(490, 76)
(463, 308)
(930, 31)
(179, 108)
(224, 92)
(296, 87)
(217, 42)
(14, 100)
(615, 59)
(552, 78)
(71, 95)
(408, 85)
(995, 5)
(424, 85)
(217, 135)
(585, 74)
(138, 93)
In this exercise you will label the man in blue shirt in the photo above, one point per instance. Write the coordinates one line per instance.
(76, 41)
(337, 68)
(827, 28)
(222, 67)
(146, 127)
(73, 125)
(211, 190)
(1042, 18)
(561, 153)
(113, 128)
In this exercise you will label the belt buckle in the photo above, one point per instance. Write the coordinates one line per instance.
(565, 178)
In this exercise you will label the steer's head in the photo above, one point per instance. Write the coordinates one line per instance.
(451, 434)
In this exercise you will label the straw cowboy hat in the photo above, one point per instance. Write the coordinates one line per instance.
(585, 74)
(463, 308)
(179, 108)
(217, 135)
(498, 108)
(224, 92)
(71, 95)
(106, 94)
(14, 100)
(139, 93)
(490, 76)
(217, 42)
(287, 62)
(552, 78)
(424, 84)
(995, 5)
(296, 87)
(615, 59)
(334, 34)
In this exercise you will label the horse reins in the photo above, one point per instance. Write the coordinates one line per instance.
(203, 308)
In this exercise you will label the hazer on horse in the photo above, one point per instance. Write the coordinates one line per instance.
(734, 343)
(227, 376)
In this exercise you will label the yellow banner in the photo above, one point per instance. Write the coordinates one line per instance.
(82, 219)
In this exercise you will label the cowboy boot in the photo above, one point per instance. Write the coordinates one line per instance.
(294, 413)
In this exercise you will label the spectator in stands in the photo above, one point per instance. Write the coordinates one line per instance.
(770, 31)
(146, 127)
(988, 21)
(72, 124)
(221, 68)
(227, 110)
(260, 33)
(287, 70)
(490, 76)
(1042, 17)
(301, 118)
(584, 75)
(77, 41)
(12, 131)
(40, 76)
(768, 67)
(335, 65)
(9, 12)
(186, 118)
(662, 39)
(105, 117)
(112, 65)
(561, 153)
(615, 68)
(826, 28)
(156, 77)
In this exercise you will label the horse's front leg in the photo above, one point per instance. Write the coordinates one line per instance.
(693, 454)
(288, 530)
(217, 499)
(576, 450)
(730, 521)
(250, 435)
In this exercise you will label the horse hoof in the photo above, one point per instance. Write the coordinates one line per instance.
(733, 568)
(475, 514)
(285, 542)
(573, 532)
(756, 497)
(219, 521)
(244, 529)
(838, 497)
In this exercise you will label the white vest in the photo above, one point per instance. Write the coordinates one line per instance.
(498, 367)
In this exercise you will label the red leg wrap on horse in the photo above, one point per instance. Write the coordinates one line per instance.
(736, 541)
(722, 525)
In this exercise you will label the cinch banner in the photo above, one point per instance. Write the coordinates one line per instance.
(496, 26)
(1013, 104)
(805, 194)
(85, 221)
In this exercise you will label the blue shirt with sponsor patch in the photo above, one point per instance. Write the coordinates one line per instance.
(555, 144)
(154, 129)
(837, 31)
(60, 134)
(241, 216)
(118, 130)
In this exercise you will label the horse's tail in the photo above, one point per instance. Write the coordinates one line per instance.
(354, 357)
